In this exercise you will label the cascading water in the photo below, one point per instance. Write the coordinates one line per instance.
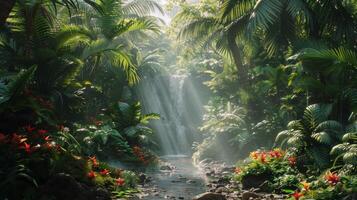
(168, 96)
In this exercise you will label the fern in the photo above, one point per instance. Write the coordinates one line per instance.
(17, 85)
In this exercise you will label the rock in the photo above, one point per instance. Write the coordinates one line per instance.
(181, 197)
(143, 178)
(221, 190)
(101, 194)
(250, 195)
(209, 196)
(64, 186)
(166, 167)
(254, 181)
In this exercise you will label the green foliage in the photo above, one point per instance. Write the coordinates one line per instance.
(313, 133)
(132, 122)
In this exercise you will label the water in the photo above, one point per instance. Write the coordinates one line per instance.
(186, 181)
(167, 96)
(180, 106)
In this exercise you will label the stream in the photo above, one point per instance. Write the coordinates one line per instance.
(183, 182)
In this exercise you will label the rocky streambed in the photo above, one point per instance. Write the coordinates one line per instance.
(210, 180)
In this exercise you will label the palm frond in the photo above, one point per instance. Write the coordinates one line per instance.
(142, 7)
(20, 81)
(316, 114)
(265, 14)
(322, 137)
(233, 9)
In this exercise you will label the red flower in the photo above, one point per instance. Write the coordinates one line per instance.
(29, 128)
(297, 195)
(104, 172)
(263, 157)
(42, 132)
(332, 178)
(237, 170)
(276, 153)
(120, 181)
(292, 160)
(47, 138)
(27, 147)
(91, 175)
(3, 138)
(94, 161)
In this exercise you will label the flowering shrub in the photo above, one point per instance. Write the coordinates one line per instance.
(276, 171)
(272, 168)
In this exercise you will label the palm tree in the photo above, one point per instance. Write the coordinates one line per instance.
(279, 23)
(114, 31)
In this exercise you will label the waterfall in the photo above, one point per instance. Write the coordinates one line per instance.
(165, 95)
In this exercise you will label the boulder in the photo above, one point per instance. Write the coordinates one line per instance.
(209, 196)
(64, 186)
(250, 195)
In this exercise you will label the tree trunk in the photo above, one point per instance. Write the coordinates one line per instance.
(5, 9)
(238, 61)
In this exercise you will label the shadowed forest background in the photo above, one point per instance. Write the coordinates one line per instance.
(178, 99)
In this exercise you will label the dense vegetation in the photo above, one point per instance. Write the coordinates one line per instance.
(278, 69)
(282, 73)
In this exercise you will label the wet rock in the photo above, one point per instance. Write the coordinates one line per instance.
(167, 167)
(250, 195)
(209, 196)
(142, 178)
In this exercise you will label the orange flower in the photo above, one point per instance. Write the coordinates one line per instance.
(91, 175)
(292, 160)
(305, 185)
(120, 181)
(297, 195)
(254, 155)
(94, 161)
(332, 178)
(104, 172)
(237, 170)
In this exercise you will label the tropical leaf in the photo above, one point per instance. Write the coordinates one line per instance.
(339, 149)
(322, 137)
(316, 114)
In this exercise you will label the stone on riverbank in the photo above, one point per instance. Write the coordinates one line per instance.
(209, 196)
